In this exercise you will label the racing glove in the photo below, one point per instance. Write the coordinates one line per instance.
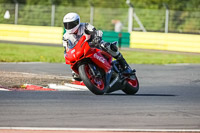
(89, 29)
(98, 37)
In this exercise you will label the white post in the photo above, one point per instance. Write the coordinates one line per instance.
(139, 22)
(91, 14)
(130, 19)
(166, 20)
(52, 15)
(16, 12)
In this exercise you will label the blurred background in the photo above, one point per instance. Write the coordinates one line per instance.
(175, 16)
(172, 25)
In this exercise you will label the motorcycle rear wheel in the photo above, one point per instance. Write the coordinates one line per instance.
(132, 86)
(94, 84)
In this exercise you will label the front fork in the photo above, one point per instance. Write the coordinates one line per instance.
(94, 71)
(116, 83)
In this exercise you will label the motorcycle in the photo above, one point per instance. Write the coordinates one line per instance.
(98, 71)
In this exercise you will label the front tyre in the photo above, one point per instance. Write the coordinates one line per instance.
(132, 85)
(95, 84)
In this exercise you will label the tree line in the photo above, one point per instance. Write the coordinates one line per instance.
(181, 5)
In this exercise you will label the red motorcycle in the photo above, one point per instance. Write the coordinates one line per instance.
(97, 70)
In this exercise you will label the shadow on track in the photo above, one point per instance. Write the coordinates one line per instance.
(165, 95)
(149, 95)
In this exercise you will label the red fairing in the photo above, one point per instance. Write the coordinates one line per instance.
(83, 50)
(107, 56)
(99, 59)
(73, 55)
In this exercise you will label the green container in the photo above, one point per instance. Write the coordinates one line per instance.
(123, 38)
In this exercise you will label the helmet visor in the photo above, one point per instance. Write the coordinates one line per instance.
(71, 25)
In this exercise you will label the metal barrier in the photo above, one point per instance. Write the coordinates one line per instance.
(36, 34)
(144, 40)
(163, 41)
(123, 38)
(50, 35)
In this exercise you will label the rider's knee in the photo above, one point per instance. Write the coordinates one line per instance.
(111, 48)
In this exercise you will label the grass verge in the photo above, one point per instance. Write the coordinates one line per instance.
(33, 53)
(30, 53)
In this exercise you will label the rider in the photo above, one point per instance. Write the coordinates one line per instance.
(75, 29)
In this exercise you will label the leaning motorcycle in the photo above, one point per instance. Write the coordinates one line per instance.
(98, 71)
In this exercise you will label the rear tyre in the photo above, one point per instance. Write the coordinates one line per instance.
(132, 85)
(95, 84)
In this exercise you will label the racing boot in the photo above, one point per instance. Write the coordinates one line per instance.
(126, 69)
(112, 49)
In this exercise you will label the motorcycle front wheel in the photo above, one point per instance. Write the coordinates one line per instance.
(132, 85)
(95, 84)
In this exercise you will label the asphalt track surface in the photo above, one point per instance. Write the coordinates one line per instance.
(169, 99)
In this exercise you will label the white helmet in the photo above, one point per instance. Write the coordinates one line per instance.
(71, 22)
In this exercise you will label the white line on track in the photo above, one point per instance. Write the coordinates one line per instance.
(101, 129)
(67, 87)
(2, 89)
(178, 64)
(76, 86)
(22, 63)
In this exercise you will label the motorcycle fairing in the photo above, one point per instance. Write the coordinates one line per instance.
(100, 61)
(77, 52)
(82, 50)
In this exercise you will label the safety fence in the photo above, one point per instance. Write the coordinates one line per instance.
(156, 20)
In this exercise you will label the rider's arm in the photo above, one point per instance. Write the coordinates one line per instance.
(89, 29)
(64, 41)
(96, 35)
(67, 41)
(64, 44)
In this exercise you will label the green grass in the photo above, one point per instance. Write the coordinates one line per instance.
(159, 58)
(32, 53)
